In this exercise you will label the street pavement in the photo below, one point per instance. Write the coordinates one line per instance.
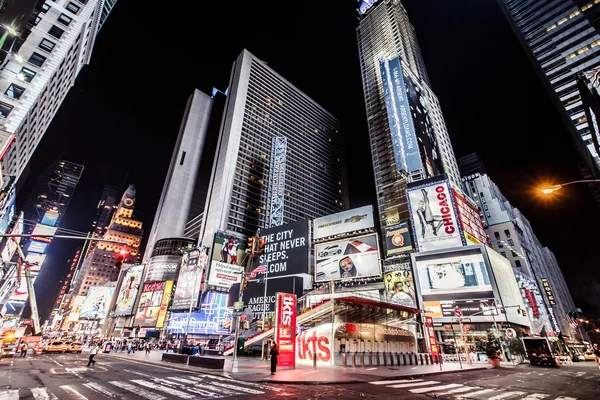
(66, 377)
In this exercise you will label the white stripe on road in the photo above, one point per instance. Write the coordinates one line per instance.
(238, 388)
(99, 388)
(505, 395)
(405, 385)
(435, 388)
(73, 392)
(566, 398)
(139, 391)
(460, 390)
(42, 394)
(536, 396)
(166, 389)
(370, 369)
(215, 389)
(10, 395)
(398, 381)
(202, 391)
(484, 391)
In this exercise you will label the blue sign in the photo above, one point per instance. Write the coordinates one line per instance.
(50, 219)
(213, 319)
(404, 138)
(37, 247)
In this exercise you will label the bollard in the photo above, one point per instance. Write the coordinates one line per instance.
(315, 361)
(344, 360)
(362, 359)
(370, 358)
(391, 359)
(398, 359)
(377, 358)
(410, 358)
(421, 358)
(354, 360)
(426, 359)
(403, 358)
(431, 358)
(384, 359)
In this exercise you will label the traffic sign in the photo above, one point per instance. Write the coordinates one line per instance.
(238, 305)
(458, 312)
(510, 333)
(237, 313)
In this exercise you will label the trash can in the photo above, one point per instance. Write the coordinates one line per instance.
(240, 346)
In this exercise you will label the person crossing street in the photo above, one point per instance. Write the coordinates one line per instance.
(93, 353)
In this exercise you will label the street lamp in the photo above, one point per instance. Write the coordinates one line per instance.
(553, 188)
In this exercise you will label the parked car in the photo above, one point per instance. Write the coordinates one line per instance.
(74, 347)
(56, 347)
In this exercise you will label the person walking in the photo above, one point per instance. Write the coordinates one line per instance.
(274, 354)
(93, 353)
(24, 348)
(597, 354)
(147, 348)
(129, 348)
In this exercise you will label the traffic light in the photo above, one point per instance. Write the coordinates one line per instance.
(120, 258)
(246, 280)
(261, 245)
(252, 244)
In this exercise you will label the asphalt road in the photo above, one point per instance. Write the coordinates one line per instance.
(65, 377)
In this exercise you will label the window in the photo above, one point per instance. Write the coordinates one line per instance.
(499, 243)
(510, 241)
(37, 59)
(56, 31)
(83, 1)
(37, 20)
(26, 74)
(14, 91)
(507, 233)
(64, 19)
(5, 109)
(512, 252)
(73, 8)
(518, 263)
(497, 235)
(46, 45)
(45, 8)
(503, 253)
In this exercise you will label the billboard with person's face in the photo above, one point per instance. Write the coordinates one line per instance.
(228, 257)
(96, 303)
(128, 290)
(189, 282)
(400, 285)
(347, 259)
(149, 305)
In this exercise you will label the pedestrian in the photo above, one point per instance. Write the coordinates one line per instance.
(274, 354)
(93, 353)
(597, 355)
(24, 350)
(129, 348)
(195, 350)
(147, 348)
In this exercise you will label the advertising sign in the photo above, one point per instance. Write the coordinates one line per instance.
(317, 340)
(128, 290)
(214, 317)
(256, 300)
(431, 339)
(96, 303)
(286, 249)
(50, 218)
(344, 222)
(347, 259)
(13, 309)
(446, 308)
(285, 332)
(7, 208)
(43, 230)
(76, 308)
(35, 261)
(162, 313)
(400, 285)
(189, 282)
(470, 220)
(397, 239)
(276, 197)
(149, 306)
(548, 290)
(364, 5)
(433, 216)
(163, 268)
(224, 275)
(227, 257)
(21, 292)
(37, 247)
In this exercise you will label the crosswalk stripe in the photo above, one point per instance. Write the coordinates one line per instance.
(10, 395)
(166, 389)
(405, 385)
(475, 393)
(459, 390)
(99, 388)
(41, 393)
(202, 391)
(73, 392)
(392, 382)
(505, 395)
(137, 390)
(435, 388)
(566, 398)
(215, 389)
(239, 388)
(536, 396)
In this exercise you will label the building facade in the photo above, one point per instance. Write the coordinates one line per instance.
(562, 38)
(261, 106)
(38, 70)
(405, 148)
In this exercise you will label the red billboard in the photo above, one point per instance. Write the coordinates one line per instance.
(285, 333)
(470, 220)
(430, 333)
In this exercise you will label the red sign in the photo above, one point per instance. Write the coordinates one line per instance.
(470, 220)
(458, 312)
(431, 336)
(285, 333)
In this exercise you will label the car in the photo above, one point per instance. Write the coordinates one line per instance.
(56, 347)
(74, 347)
(589, 356)
(330, 250)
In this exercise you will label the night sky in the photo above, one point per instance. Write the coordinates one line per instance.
(122, 117)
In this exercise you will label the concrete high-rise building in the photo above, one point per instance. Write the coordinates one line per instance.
(409, 139)
(562, 40)
(261, 106)
(54, 41)
(108, 204)
(186, 184)
(107, 6)
(100, 267)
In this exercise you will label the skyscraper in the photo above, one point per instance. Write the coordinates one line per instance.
(562, 38)
(55, 40)
(263, 108)
(409, 139)
(108, 204)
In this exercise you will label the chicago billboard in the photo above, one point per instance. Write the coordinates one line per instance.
(433, 215)
(397, 239)
(285, 329)
(347, 259)
(149, 305)
(286, 249)
(189, 282)
(344, 222)
(128, 290)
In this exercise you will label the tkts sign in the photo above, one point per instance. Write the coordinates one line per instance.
(285, 333)
(431, 336)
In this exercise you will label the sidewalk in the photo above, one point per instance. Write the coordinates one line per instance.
(256, 370)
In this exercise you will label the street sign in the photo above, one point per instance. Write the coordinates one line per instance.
(461, 320)
(458, 312)
(237, 313)
(510, 333)
(238, 305)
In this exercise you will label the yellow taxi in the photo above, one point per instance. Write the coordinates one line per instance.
(55, 347)
(589, 356)
(74, 347)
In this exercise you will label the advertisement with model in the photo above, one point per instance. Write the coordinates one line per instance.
(348, 221)
(189, 282)
(347, 259)
(227, 259)
(96, 303)
(286, 249)
(149, 305)
(128, 290)
(400, 285)
(397, 239)
(433, 215)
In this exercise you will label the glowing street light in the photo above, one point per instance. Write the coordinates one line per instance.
(11, 30)
(554, 188)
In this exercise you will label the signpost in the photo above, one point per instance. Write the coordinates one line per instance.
(458, 313)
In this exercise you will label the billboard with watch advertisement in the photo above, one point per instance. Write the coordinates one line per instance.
(348, 258)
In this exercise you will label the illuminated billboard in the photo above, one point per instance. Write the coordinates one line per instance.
(344, 222)
(37, 247)
(227, 259)
(214, 317)
(347, 259)
(399, 285)
(35, 261)
(149, 305)
(286, 249)
(397, 239)
(50, 218)
(189, 282)
(470, 220)
(128, 290)
(364, 5)
(96, 303)
(43, 230)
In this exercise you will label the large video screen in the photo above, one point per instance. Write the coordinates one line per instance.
(128, 290)
(347, 259)
(214, 317)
